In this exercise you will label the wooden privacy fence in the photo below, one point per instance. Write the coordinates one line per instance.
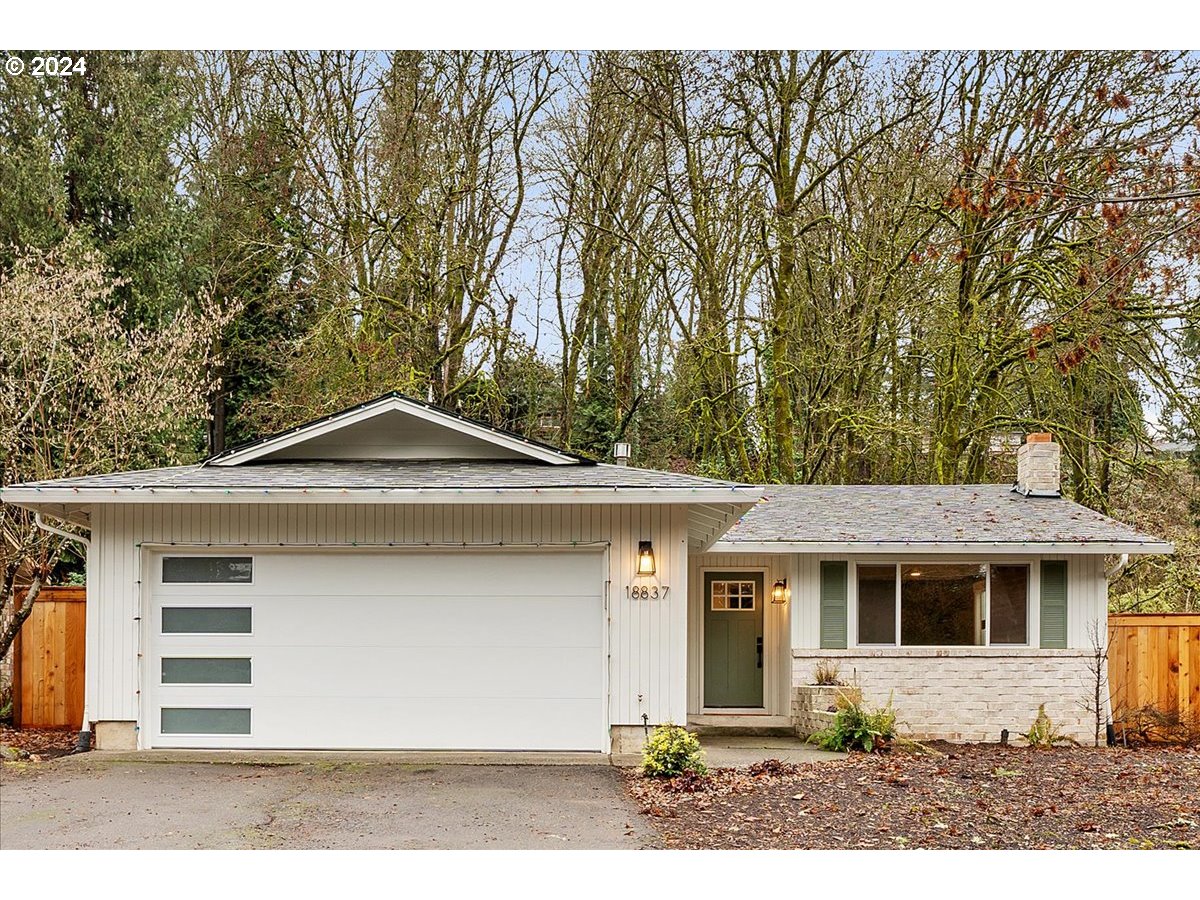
(1154, 667)
(48, 661)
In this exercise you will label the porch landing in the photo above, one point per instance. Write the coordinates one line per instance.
(744, 750)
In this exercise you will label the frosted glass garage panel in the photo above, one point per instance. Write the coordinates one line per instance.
(207, 569)
(195, 720)
(206, 619)
(205, 670)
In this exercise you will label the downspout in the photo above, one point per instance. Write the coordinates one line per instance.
(84, 742)
(1118, 567)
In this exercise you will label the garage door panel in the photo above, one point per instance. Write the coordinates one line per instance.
(421, 672)
(351, 724)
(502, 724)
(417, 621)
(505, 651)
(421, 573)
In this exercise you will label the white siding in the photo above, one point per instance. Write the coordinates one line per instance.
(647, 639)
(776, 630)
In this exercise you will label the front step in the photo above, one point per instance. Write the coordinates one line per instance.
(741, 731)
(755, 726)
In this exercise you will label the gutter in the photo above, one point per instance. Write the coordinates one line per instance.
(911, 547)
(84, 741)
(20, 495)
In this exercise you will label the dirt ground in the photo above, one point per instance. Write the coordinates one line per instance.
(972, 796)
(36, 743)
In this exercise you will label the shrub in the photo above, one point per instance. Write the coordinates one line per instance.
(1044, 733)
(671, 750)
(855, 728)
(826, 672)
(1149, 724)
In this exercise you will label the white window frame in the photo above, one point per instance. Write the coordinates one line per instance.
(215, 553)
(206, 684)
(158, 729)
(1031, 602)
(738, 581)
(200, 603)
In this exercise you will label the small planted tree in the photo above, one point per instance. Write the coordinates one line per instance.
(81, 393)
(1097, 664)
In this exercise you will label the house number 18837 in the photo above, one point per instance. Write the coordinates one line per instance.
(646, 592)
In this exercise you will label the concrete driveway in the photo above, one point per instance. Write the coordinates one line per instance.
(113, 803)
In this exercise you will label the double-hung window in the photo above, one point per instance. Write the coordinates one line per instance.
(943, 604)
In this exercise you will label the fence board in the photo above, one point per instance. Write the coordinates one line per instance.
(1154, 661)
(48, 659)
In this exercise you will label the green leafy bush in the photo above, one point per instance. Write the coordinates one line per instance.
(671, 750)
(855, 728)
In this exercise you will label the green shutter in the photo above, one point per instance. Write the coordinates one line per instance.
(1054, 604)
(833, 605)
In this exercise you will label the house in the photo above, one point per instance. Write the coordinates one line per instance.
(397, 576)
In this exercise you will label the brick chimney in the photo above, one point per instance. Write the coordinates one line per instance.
(1038, 469)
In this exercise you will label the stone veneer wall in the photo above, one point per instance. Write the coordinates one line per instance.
(965, 695)
(814, 705)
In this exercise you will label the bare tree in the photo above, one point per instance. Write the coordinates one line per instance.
(80, 394)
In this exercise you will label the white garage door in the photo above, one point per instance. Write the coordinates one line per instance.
(471, 650)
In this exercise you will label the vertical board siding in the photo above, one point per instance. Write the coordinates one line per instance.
(647, 639)
(48, 661)
(1154, 661)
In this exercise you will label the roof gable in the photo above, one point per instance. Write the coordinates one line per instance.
(394, 427)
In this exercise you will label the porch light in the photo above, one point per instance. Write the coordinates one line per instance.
(645, 560)
(780, 592)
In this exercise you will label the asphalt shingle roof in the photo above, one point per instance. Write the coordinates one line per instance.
(387, 474)
(967, 513)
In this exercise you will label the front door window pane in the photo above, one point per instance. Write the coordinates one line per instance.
(942, 605)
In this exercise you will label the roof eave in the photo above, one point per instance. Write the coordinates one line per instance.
(994, 548)
(32, 498)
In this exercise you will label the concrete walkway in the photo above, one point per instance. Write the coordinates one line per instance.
(746, 750)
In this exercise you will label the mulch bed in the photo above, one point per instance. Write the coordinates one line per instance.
(38, 744)
(966, 796)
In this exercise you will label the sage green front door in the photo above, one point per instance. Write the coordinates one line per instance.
(733, 639)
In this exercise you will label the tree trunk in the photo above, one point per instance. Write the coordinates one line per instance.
(13, 626)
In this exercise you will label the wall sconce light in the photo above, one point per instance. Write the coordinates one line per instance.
(645, 559)
(780, 592)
